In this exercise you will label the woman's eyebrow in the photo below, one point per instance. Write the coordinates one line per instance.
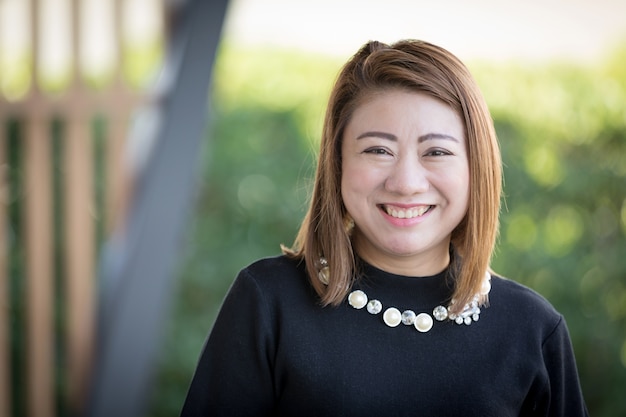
(420, 139)
(376, 134)
(431, 136)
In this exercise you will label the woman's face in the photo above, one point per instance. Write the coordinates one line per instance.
(405, 180)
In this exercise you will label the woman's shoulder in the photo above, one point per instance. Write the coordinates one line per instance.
(275, 271)
(521, 301)
(274, 266)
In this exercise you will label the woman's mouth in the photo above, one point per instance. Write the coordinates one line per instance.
(405, 213)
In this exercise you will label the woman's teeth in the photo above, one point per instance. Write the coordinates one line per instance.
(406, 213)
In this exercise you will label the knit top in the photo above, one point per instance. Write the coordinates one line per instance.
(275, 351)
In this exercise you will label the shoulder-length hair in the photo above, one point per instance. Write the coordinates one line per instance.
(415, 66)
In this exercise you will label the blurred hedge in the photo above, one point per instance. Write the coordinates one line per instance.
(562, 129)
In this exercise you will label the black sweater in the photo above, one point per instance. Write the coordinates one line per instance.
(275, 351)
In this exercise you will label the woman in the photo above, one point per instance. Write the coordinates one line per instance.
(386, 304)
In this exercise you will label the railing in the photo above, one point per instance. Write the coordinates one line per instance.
(64, 186)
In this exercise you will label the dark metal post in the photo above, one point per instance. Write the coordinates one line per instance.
(138, 266)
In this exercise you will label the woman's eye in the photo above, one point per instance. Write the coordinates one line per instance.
(437, 152)
(377, 151)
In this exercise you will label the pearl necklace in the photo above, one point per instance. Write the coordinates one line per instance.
(423, 322)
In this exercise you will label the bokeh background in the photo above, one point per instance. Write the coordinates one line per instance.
(554, 76)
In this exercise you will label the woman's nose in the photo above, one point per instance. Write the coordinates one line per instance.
(407, 177)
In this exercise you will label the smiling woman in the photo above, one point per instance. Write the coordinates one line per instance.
(418, 68)
(402, 224)
(405, 181)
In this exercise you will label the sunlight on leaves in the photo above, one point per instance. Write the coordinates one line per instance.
(544, 166)
(563, 228)
(304, 88)
(615, 301)
(521, 231)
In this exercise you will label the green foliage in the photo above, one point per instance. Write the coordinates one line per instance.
(562, 130)
(253, 198)
(277, 81)
(563, 136)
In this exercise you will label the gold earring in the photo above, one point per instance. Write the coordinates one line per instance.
(323, 272)
(348, 224)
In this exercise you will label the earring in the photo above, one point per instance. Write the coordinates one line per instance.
(323, 272)
(348, 224)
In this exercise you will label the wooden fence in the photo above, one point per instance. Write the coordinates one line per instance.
(64, 186)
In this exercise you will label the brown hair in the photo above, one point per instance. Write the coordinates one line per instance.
(417, 66)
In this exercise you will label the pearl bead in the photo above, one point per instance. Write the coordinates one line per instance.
(486, 285)
(392, 317)
(440, 313)
(408, 317)
(374, 307)
(357, 299)
(423, 322)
